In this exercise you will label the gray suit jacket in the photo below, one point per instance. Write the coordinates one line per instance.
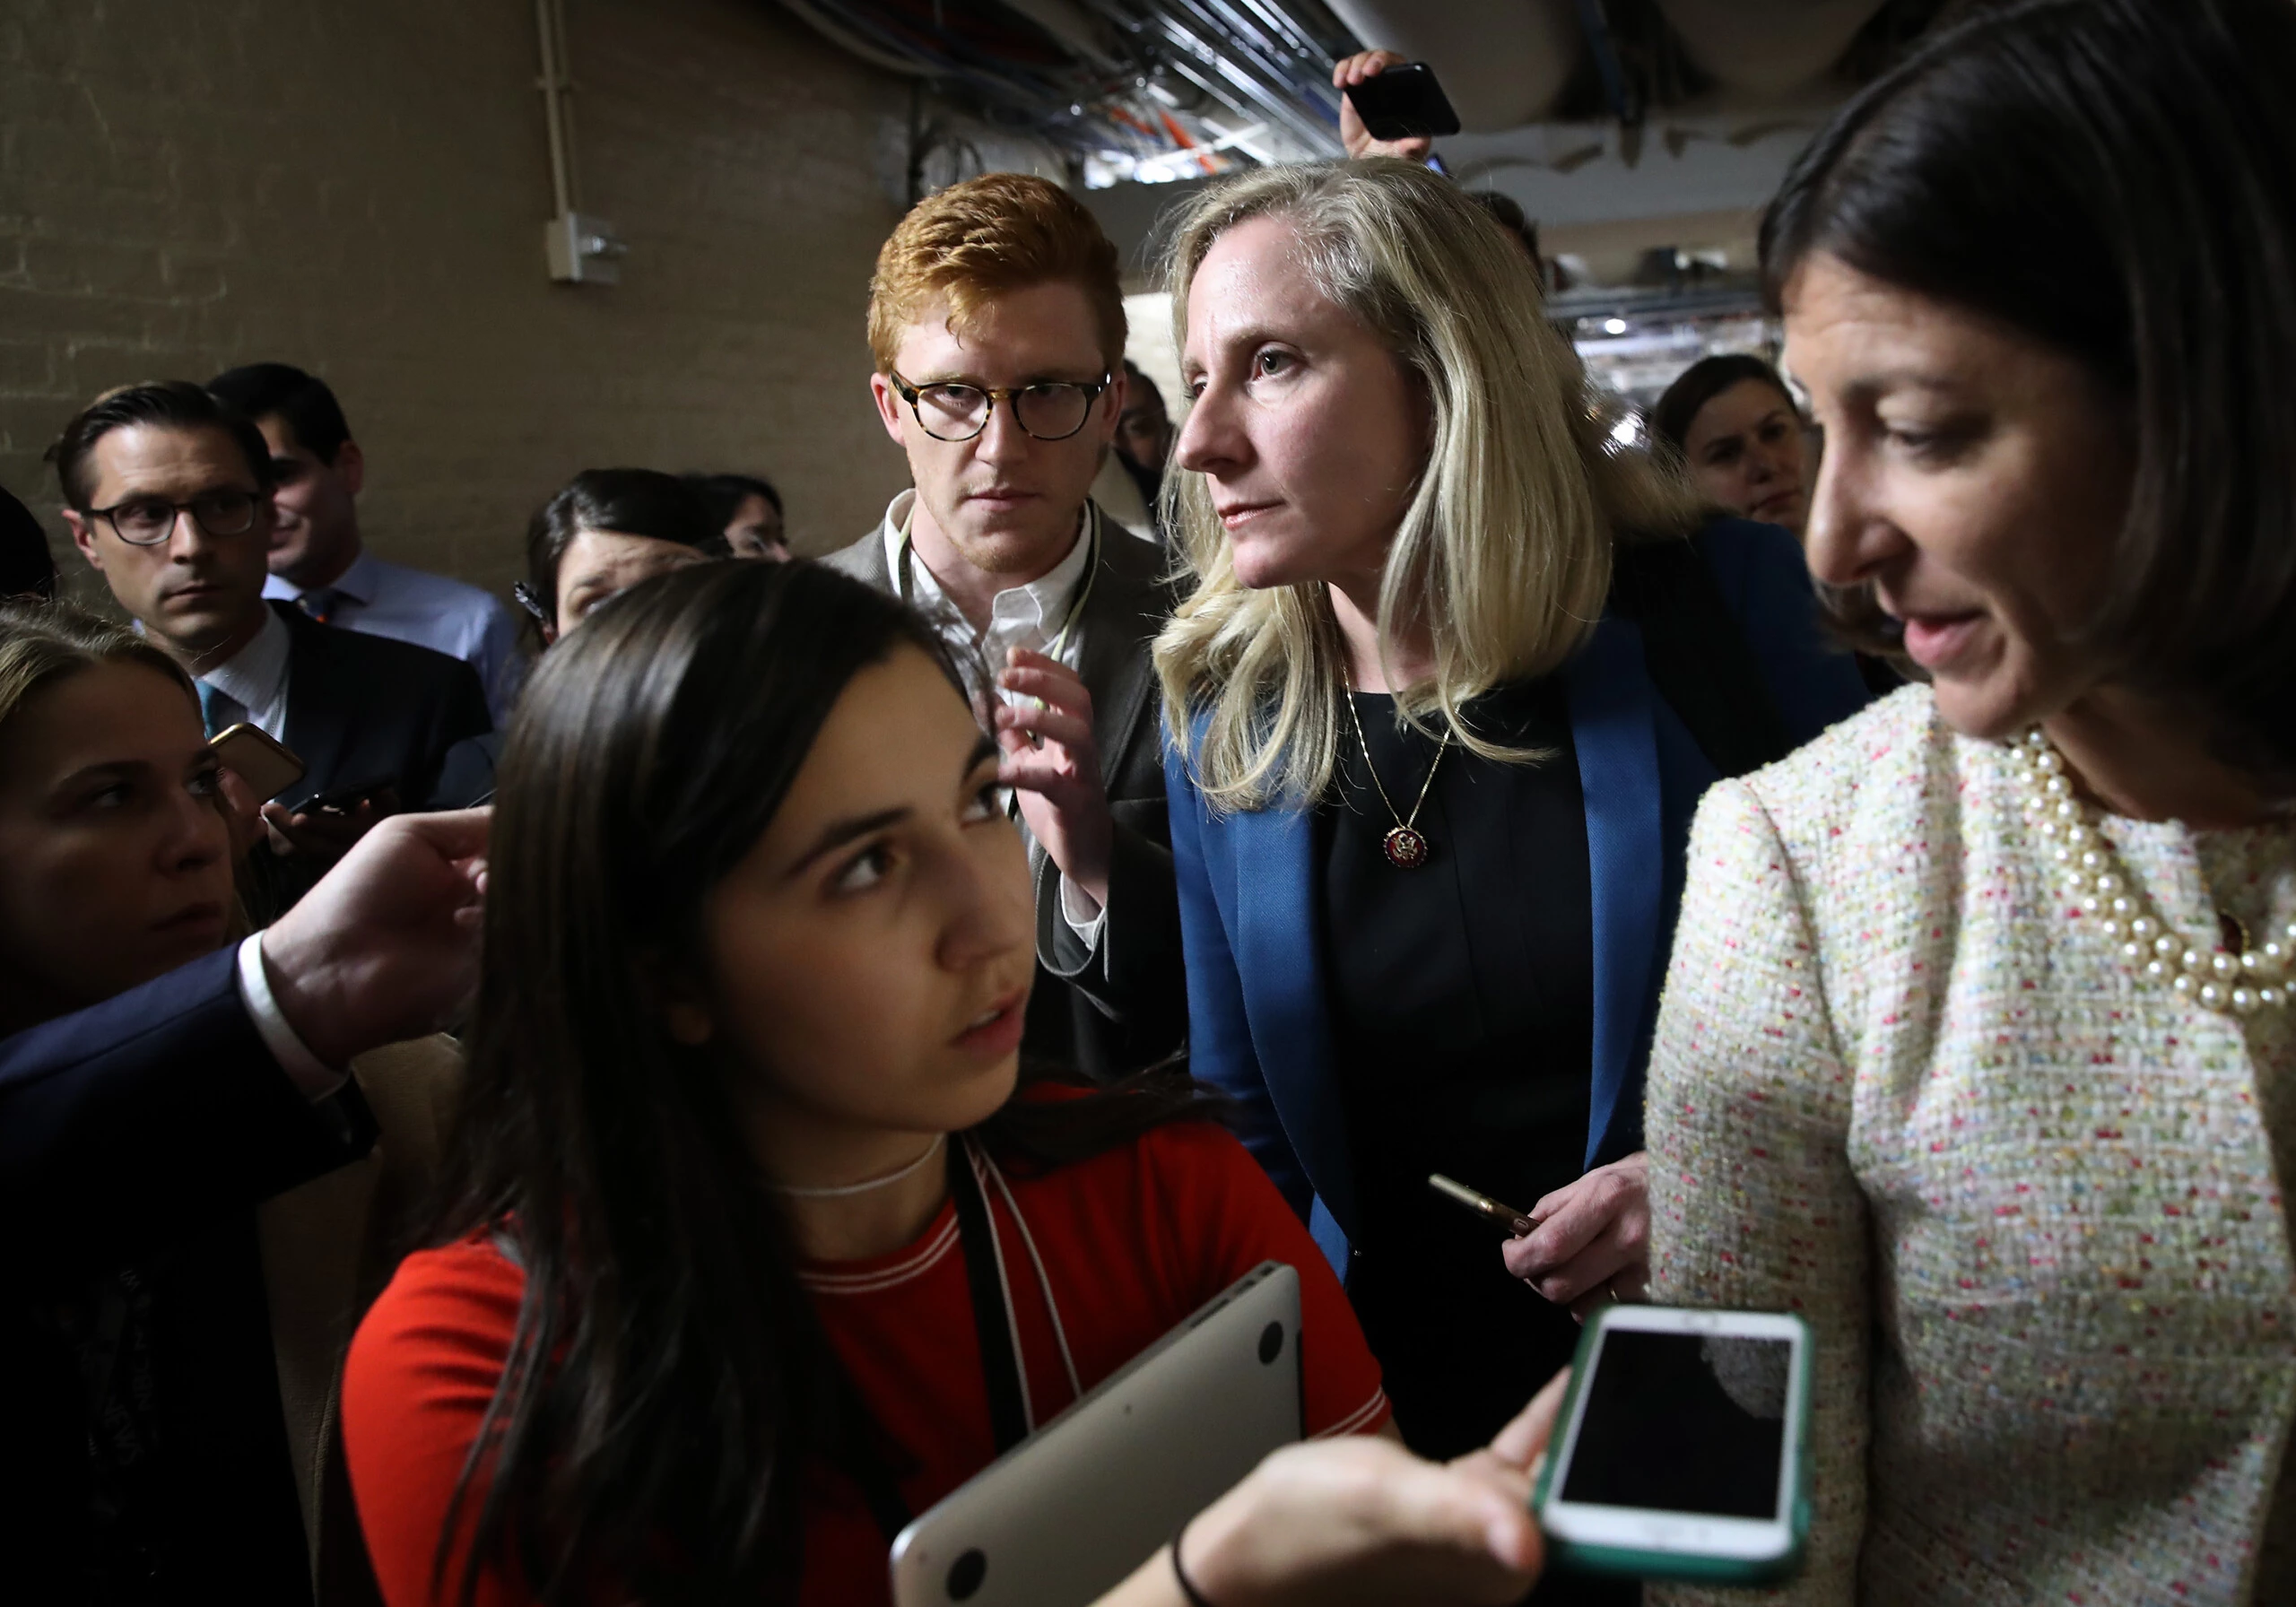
(1122, 1003)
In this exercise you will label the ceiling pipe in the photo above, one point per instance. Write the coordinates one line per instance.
(1766, 48)
(1501, 62)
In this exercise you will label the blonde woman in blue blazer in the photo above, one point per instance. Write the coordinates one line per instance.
(1454, 675)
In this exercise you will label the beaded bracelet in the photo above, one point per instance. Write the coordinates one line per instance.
(1196, 1598)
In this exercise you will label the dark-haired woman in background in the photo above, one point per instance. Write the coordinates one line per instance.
(748, 510)
(605, 531)
(1730, 423)
(1977, 1047)
(742, 1118)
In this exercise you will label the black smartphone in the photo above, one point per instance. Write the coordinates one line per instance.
(1404, 103)
(345, 800)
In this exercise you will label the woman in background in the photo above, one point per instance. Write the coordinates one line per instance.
(1731, 425)
(154, 1323)
(1977, 1046)
(1429, 800)
(748, 510)
(603, 532)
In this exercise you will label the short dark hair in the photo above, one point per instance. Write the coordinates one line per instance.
(1700, 383)
(265, 390)
(725, 493)
(632, 502)
(27, 567)
(2117, 179)
(169, 404)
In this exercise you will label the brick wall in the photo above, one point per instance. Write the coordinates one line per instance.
(360, 190)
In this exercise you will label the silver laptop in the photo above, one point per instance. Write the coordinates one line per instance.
(1087, 1498)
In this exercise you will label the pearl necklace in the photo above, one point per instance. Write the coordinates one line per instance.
(2095, 881)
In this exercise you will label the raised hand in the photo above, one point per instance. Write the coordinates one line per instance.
(1354, 70)
(386, 946)
(1052, 761)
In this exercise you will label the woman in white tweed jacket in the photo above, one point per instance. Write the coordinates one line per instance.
(1976, 1046)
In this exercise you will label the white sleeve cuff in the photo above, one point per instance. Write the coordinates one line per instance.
(1085, 917)
(313, 1077)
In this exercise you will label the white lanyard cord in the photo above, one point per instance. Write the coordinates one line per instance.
(975, 1159)
(1044, 1283)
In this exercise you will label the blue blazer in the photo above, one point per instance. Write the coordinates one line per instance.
(1258, 1027)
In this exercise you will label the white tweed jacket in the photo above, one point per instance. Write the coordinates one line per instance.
(2027, 1202)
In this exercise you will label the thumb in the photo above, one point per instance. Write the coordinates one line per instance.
(1451, 1509)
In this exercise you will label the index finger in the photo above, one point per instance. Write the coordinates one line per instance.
(1569, 1227)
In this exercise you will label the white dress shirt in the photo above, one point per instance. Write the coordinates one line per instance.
(382, 598)
(313, 1077)
(254, 678)
(1036, 616)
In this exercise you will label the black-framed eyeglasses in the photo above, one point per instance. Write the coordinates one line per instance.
(1051, 410)
(147, 521)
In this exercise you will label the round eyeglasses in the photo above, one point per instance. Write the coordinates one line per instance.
(147, 521)
(1051, 410)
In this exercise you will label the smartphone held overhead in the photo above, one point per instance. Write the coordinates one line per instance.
(1402, 103)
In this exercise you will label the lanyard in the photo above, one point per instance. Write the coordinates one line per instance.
(901, 576)
(1000, 1359)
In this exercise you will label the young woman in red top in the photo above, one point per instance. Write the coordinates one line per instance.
(742, 1128)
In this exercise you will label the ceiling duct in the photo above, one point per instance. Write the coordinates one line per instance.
(1766, 48)
(1502, 62)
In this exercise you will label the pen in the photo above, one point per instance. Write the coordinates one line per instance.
(1489, 1210)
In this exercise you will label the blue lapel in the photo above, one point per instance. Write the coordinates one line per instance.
(1279, 961)
(1612, 726)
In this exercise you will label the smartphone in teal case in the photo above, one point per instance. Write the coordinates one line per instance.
(1665, 1415)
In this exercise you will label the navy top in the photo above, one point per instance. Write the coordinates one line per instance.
(1463, 993)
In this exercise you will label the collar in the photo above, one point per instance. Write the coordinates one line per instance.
(1040, 607)
(252, 676)
(359, 583)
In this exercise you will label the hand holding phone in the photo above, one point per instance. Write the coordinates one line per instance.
(324, 827)
(1683, 1449)
(266, 764)
(1390, 107)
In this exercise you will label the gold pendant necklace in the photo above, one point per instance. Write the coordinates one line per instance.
(1405, 846)
(2227, 979)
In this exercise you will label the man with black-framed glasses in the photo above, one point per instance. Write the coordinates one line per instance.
(996, 321)
(168, 493)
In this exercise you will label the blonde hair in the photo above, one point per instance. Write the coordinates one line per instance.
(1504, 552)
(978, 239)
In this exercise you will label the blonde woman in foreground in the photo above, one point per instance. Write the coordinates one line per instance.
(1976, 1049)
(1451, 679)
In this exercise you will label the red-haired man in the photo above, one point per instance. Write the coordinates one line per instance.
(996, 321)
